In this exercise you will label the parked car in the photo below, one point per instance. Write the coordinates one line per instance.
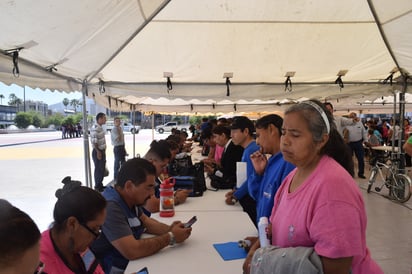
(170, 125)
(127, 127)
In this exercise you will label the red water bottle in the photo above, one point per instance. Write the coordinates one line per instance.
(167, 198)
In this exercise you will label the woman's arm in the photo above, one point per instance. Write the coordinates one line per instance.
(336, 266)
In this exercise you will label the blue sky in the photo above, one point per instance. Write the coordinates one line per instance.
(47, 96)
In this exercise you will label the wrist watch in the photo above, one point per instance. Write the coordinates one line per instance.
(172, 240)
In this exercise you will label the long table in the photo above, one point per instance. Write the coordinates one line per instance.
(197, 254)
(217, 223)
(210, 201)
(385, 148)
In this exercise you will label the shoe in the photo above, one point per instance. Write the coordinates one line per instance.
(362, 176)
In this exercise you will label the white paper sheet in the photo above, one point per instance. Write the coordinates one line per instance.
(240, 173)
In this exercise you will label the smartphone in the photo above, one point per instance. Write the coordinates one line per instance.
(143, 271)
(191, 221)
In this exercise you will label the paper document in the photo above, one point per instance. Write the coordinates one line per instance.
(240, 173)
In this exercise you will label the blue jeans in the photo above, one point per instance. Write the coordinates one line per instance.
(357, 148)
(99, 167)
(119, 158)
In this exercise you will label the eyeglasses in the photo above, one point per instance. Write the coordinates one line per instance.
(96, 234)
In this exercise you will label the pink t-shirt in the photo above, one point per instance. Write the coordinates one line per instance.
(326, 212)
(52, 261)
(218, 153)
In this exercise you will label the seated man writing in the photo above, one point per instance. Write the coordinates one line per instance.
(125, 222)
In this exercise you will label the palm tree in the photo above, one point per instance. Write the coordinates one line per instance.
(1, 99)
(14, 100)
(75, 103)
(66, 102)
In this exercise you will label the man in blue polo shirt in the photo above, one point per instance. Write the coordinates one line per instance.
(242, 130)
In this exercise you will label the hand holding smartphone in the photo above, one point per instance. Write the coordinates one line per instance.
(191, 222)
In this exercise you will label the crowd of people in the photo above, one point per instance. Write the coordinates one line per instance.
(71, 131)
(298, 173)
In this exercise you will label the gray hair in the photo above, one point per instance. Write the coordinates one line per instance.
(314, 118)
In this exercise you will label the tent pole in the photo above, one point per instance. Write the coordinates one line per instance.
(402, 114)
(134, 132)
(153, 128)
(86, 139)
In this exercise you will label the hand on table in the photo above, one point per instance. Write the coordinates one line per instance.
(181, 195)
(230, 198)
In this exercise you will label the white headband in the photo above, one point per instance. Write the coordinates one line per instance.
(321, 112)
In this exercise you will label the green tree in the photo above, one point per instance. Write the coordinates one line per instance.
(66, 102)
(194, 120)
(74, 103)
(1, 99)
(37, 119)
(77, 117)
(23, 119)
(68, 120)
(55, 119)
(14, 100)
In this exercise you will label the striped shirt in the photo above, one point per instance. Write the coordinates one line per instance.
(97, 137)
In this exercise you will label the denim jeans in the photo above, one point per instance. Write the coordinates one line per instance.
(99, 167)
(119, 158)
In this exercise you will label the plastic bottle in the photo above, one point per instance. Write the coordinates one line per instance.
(263, 231)
(167, 199)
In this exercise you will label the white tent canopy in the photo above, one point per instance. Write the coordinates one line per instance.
(119, 51)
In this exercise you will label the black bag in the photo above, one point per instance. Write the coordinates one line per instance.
(222, 182)
(180, 166)
(193, 179)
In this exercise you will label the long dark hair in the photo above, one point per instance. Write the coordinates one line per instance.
(335, 147)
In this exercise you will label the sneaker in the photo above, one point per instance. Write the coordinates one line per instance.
(362, 176)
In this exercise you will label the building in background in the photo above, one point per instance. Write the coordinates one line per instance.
(7, 115)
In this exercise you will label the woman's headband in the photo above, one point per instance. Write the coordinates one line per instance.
(321, 112)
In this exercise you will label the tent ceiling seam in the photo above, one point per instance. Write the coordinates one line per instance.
(384, 38)
(139, 29)
(261, 22)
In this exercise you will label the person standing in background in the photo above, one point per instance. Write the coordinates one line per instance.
(341, 122)
(98, 140)
(119, 150)
(357, 136)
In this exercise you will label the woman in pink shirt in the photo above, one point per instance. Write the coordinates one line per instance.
(78, 215)
(319, 204)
